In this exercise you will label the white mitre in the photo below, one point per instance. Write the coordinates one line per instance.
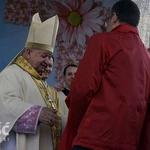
(42, 35)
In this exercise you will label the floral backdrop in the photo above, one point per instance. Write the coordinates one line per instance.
(79, 20)
(144, 25)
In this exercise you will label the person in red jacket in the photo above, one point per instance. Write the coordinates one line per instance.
(110, 93)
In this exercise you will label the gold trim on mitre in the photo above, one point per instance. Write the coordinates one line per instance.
(42, 35)
(39, 46)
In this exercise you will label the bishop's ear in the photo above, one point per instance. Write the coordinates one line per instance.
(27, 53)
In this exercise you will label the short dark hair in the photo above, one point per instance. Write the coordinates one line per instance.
(127, 11)
(70, 65)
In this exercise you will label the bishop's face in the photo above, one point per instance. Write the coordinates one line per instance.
(39, 59)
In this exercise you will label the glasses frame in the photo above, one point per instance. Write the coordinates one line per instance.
(106, 22)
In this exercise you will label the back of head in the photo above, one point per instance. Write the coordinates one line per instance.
(127, 12)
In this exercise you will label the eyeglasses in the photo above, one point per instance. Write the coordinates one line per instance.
(106, 22)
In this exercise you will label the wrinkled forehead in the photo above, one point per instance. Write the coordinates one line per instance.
(44, 52)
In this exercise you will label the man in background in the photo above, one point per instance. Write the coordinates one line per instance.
(25, 102)
(109, 94)
(69, 74)
(48, 69)
(52, 90)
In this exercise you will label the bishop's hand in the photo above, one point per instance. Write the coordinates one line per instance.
(49, 117)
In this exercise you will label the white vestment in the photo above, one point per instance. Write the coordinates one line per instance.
(18, 92)
(63, 108)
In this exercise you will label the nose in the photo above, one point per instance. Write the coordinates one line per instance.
(73, 75)
(47, 68)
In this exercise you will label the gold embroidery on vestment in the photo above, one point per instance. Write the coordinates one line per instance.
(46, 93)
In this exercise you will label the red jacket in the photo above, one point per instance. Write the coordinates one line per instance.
(109, 94)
